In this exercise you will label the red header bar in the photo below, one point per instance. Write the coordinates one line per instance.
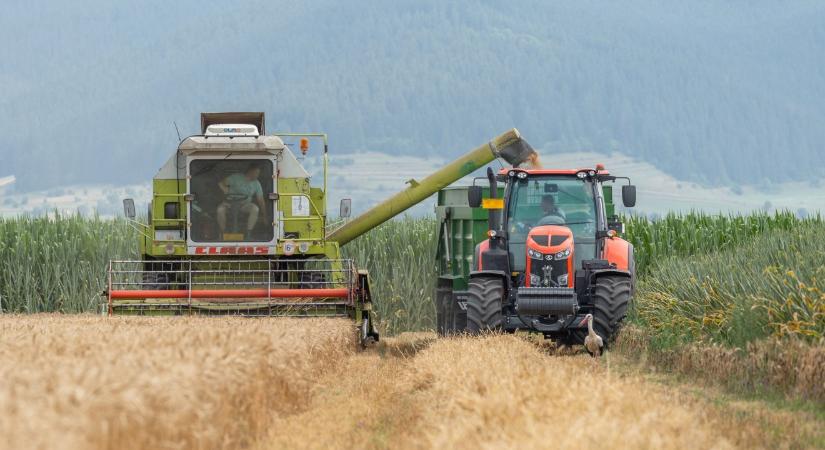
(230, 293)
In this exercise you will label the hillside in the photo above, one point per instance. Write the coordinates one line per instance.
(708, 92)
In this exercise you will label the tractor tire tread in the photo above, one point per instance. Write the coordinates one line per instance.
(484, 305)
(611, 298)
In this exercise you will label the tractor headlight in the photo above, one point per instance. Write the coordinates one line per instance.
(535, 280)
(522, 175)
(563, 254)
(534, 254)
(563, 280)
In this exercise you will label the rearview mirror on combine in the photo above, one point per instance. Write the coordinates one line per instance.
(129, 208)
(345, 208)
(474, 196)
(629, 195)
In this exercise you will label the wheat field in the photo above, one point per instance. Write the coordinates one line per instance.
(90, 382)
(505, 391)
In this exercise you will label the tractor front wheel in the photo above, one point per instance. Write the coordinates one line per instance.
(611, 297)
(484, 300)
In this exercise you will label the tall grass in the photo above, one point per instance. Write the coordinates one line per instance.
(58, 263)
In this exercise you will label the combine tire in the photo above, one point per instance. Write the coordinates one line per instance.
(313, 280)
(611, 297)
(156, 278)
(484, 297)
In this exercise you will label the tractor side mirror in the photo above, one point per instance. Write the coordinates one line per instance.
(129, 208)
(345, 208)
(616, 225)
(629, 195)
(474, 196)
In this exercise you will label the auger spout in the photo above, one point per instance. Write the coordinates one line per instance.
(509, 146)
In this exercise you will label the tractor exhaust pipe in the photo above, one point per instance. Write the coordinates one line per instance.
(494, 216)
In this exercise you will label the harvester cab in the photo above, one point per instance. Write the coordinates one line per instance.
(550, 254)
(235, 226)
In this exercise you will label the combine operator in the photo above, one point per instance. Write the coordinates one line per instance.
(239, 192)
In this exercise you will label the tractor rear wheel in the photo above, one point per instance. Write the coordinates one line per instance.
(444, 320)
(484, 299)
(611, 297)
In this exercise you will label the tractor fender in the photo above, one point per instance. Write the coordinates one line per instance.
(488, 273)
(604, 272)
(480, 247)
(619, 252)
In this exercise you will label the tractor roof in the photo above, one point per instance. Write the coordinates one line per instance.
(600, 171)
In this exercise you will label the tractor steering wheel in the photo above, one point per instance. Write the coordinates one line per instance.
(551, 219)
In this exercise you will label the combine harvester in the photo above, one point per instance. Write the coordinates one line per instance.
(236, 228)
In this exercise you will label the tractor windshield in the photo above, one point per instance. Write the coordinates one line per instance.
(552, 200)
(230, 200)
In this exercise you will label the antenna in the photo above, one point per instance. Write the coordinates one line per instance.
(176, 130)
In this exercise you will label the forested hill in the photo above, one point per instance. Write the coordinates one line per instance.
(716, 92)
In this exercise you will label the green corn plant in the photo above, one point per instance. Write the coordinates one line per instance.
(58, 263)
(770, 285)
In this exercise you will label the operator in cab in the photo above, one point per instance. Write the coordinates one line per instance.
(549, 208)
(242, 191)
(550, 215)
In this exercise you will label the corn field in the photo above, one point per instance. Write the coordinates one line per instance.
(678, 235)
(772, 285)
(57, 264)
(400, 256)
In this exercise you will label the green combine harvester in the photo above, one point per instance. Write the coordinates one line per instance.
(235, 227)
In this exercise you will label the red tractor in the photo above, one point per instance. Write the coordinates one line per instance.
(551, 255)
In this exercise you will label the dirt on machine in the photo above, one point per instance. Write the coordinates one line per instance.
(238, 226)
